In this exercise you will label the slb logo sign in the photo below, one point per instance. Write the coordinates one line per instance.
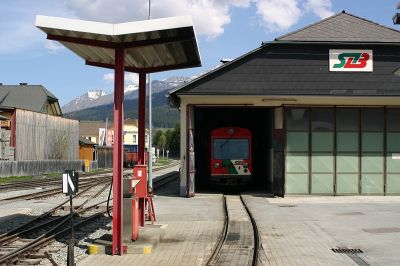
(351, 60)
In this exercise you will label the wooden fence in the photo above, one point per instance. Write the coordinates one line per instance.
(29, 168)
(45, 137)
(104, 157)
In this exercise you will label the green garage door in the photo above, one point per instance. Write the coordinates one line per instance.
(297, 156)
(393, 152)
(347, 156)
(342, 150)
(322, 151)
(372, 162)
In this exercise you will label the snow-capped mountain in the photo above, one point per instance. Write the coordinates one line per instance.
(95, 94)
(89, 99)
(99, 97)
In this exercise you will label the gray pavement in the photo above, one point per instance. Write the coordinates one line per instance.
(303, 230)
(294, 230)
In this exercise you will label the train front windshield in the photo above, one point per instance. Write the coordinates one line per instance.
(231, 149)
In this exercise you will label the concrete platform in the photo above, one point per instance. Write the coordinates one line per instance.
(294, 230)
(149, 236)
(193, 228)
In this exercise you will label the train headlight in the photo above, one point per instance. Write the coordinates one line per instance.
(216, 165)
(245, 165)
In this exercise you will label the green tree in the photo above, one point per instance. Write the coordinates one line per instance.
(162, 141)
(168, 136)
(156, 137)
(173, 140)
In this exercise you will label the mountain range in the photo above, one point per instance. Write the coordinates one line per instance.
(96, 105)
(98, 97)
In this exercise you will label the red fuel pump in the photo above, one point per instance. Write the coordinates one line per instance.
(138, 203)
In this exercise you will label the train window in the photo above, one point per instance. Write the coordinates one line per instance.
(231, 149)
(297, 119)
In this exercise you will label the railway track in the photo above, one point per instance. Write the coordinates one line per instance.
(239, 241)
(84, 182)
(26, 244)
(45, 182)
(20, 243)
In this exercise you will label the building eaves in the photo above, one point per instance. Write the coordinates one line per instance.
(49, 94)
(84, 141)
(28, 97)
(173, 94)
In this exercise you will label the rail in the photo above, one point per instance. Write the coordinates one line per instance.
(232, 245)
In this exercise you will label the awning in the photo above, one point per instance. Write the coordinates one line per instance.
(150, 45)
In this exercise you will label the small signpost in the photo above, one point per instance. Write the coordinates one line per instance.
(70, 188)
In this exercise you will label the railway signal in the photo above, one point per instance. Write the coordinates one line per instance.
(70, 188)
(70, 182)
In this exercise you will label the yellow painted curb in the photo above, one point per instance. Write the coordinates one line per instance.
(93, 249)
(147, 249)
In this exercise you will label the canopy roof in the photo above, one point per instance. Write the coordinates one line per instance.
(150, 45)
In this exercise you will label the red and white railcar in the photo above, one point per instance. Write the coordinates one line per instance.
(231, 163)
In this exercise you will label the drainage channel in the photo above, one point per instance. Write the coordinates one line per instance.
(352, 253)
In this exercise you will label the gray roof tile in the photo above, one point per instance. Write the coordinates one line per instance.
(344, 27)
(298, 64)
(28, 97)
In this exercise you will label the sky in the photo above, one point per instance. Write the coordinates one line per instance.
(225, 29)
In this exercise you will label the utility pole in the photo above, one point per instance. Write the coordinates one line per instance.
(150, 160)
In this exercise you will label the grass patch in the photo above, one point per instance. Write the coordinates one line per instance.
(163, 161)
(52, 175)
(11, 179)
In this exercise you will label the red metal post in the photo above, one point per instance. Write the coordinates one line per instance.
(13, 142)
(141, 211)
(117, 248)
(141, 140)
(142, 118)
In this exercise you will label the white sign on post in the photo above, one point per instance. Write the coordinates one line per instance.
(70, 183)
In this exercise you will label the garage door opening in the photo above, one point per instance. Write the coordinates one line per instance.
(259, 121)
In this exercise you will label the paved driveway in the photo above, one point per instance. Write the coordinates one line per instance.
(303, 230)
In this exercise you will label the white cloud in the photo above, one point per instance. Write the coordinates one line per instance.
(109, 77)
(278, 15)
(17, 24)
(17, 17)
(53, 46)
(321, 8)
(210, 16)
(132, 78)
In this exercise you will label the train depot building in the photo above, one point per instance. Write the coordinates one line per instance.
(323, 106)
